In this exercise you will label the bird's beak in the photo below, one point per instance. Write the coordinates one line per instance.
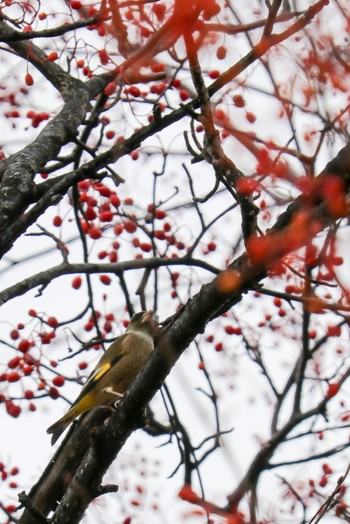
(150, 318)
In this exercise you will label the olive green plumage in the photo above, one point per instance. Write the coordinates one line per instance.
(114, 372)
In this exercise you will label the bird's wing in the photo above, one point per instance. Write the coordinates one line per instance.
(103, 366)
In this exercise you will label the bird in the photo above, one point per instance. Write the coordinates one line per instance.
(114, 372)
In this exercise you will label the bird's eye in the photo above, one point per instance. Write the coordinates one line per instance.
(138, 316)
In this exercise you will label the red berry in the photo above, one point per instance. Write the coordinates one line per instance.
(220, 114)
(211, 9)
(103, 190)
(28, 394)
(323, 482)
(102, 31)
(110, 88)
(13, 376)
(95, 233)
(103, 56)
(108, 327)
(250, 117)
(52, 322)
(53, 393)
(145, 32)
(118, 229)
(337, 261)
(130, 226)
(332, 390)
(14, 334)
(160, 214)
(106, 216)
(29, 79)
(290, 289)
(334, 331)
(84, 185)
(57, 221)
(135, 91)
(58, 381)
(146, 247)
(76, 283)
(13, 410)
(12, 114)
(76, 4)
(90, 213)
(327, 469)
(24, 345)
(110, 134)
(159, 234)
(184, 94)
(187, 493)
(105, 279)
(159, 11)
(52, 56)
(238, 100)
(115, 200)
(214, 74)
(13, 363)
(221, 52)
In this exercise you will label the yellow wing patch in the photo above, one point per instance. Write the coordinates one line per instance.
(101, 371)
(85, 403)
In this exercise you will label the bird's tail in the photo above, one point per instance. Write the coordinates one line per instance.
(58, 427)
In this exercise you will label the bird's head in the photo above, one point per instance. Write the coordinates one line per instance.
(144, 321)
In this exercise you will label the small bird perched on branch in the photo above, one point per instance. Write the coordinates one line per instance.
(114, 372)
